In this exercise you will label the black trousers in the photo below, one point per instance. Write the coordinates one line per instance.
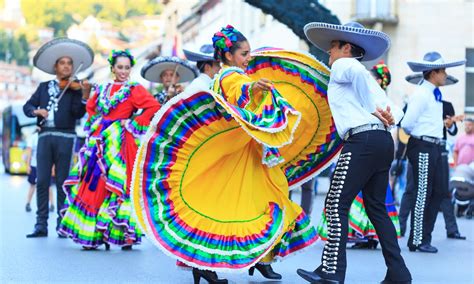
(307, 194)
(427, 170)
(53, 149)
(364, 163)
(409, 197)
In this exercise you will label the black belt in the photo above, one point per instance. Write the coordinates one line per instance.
(363, 128)
(429, 139)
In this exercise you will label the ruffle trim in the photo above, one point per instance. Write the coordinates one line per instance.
(136, 129)
(111, 224)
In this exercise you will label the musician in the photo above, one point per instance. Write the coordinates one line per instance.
(170, 72)
(57, 104)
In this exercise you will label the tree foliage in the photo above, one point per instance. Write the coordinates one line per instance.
(61, 14)
(14, 48)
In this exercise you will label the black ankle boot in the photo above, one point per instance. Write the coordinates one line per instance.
(369, 244)
(266, 270)
(209, 276)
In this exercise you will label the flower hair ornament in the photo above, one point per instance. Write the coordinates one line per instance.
(117, 53)
(223, 40)
(381, 69)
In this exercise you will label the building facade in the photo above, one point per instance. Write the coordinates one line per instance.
(415, 28)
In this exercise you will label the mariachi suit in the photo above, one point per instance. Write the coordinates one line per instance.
(364, 163)
(423, 121)
(55, 142)
(409, 197)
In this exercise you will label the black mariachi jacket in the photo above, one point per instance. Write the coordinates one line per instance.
(70, 107)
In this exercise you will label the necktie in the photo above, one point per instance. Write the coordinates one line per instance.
(437, 94)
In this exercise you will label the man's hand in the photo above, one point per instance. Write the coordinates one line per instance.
(41, 112)
(174, 90)
(86, 89)
(448, 121)
(385, 116)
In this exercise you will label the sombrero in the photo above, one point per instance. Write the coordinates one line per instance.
(431, 61)
(50, 52)
(153, 69)
(375, 43)
(418, 78)
(205, 53)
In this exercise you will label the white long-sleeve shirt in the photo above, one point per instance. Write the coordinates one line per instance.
(353, 96)
(424, 115)
(201, 83)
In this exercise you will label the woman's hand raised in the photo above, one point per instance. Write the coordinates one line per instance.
(262, 85)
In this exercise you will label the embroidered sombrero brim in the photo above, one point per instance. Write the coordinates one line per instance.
(153, 69)
(375, 43)
(417, 78)
(50, 52)
(198, 56)
(421, 66)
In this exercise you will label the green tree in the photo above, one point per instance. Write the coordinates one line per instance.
(21, 56)
(4, 45)
(61, 14)
(14, 48)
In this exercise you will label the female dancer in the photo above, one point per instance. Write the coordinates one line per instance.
(97, 208)
(210, 187)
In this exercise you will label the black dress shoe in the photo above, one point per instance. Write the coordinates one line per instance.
(424, 248)
(38, 234)
(266, 270)
(369, 244)
(127, 247)
(209, 276)
(314, 278)
(395, 282)
(456, 236)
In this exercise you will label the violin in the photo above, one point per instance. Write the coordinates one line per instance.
(75, 85)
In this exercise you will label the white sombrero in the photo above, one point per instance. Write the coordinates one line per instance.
(418, 78)
(431, 61)
(205, 53)
(375, 43)
(153, 69)
(50, 52)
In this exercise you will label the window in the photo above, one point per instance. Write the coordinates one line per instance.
(373, 11)
(469, 80)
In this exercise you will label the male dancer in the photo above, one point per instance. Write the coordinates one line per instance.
(424, 122)
(362, 114)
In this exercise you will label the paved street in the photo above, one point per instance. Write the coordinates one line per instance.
(53, 260)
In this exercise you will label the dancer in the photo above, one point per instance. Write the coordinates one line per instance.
(98, 209)
(211, 175)
(362, 113)
(361, 230)
(208, 67)
(424, 123)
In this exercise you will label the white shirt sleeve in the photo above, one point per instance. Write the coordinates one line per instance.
(416, 105)
(349, 70)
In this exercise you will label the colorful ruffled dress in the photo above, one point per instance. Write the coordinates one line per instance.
(211, 179)
(360, 227)
(97, 209)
